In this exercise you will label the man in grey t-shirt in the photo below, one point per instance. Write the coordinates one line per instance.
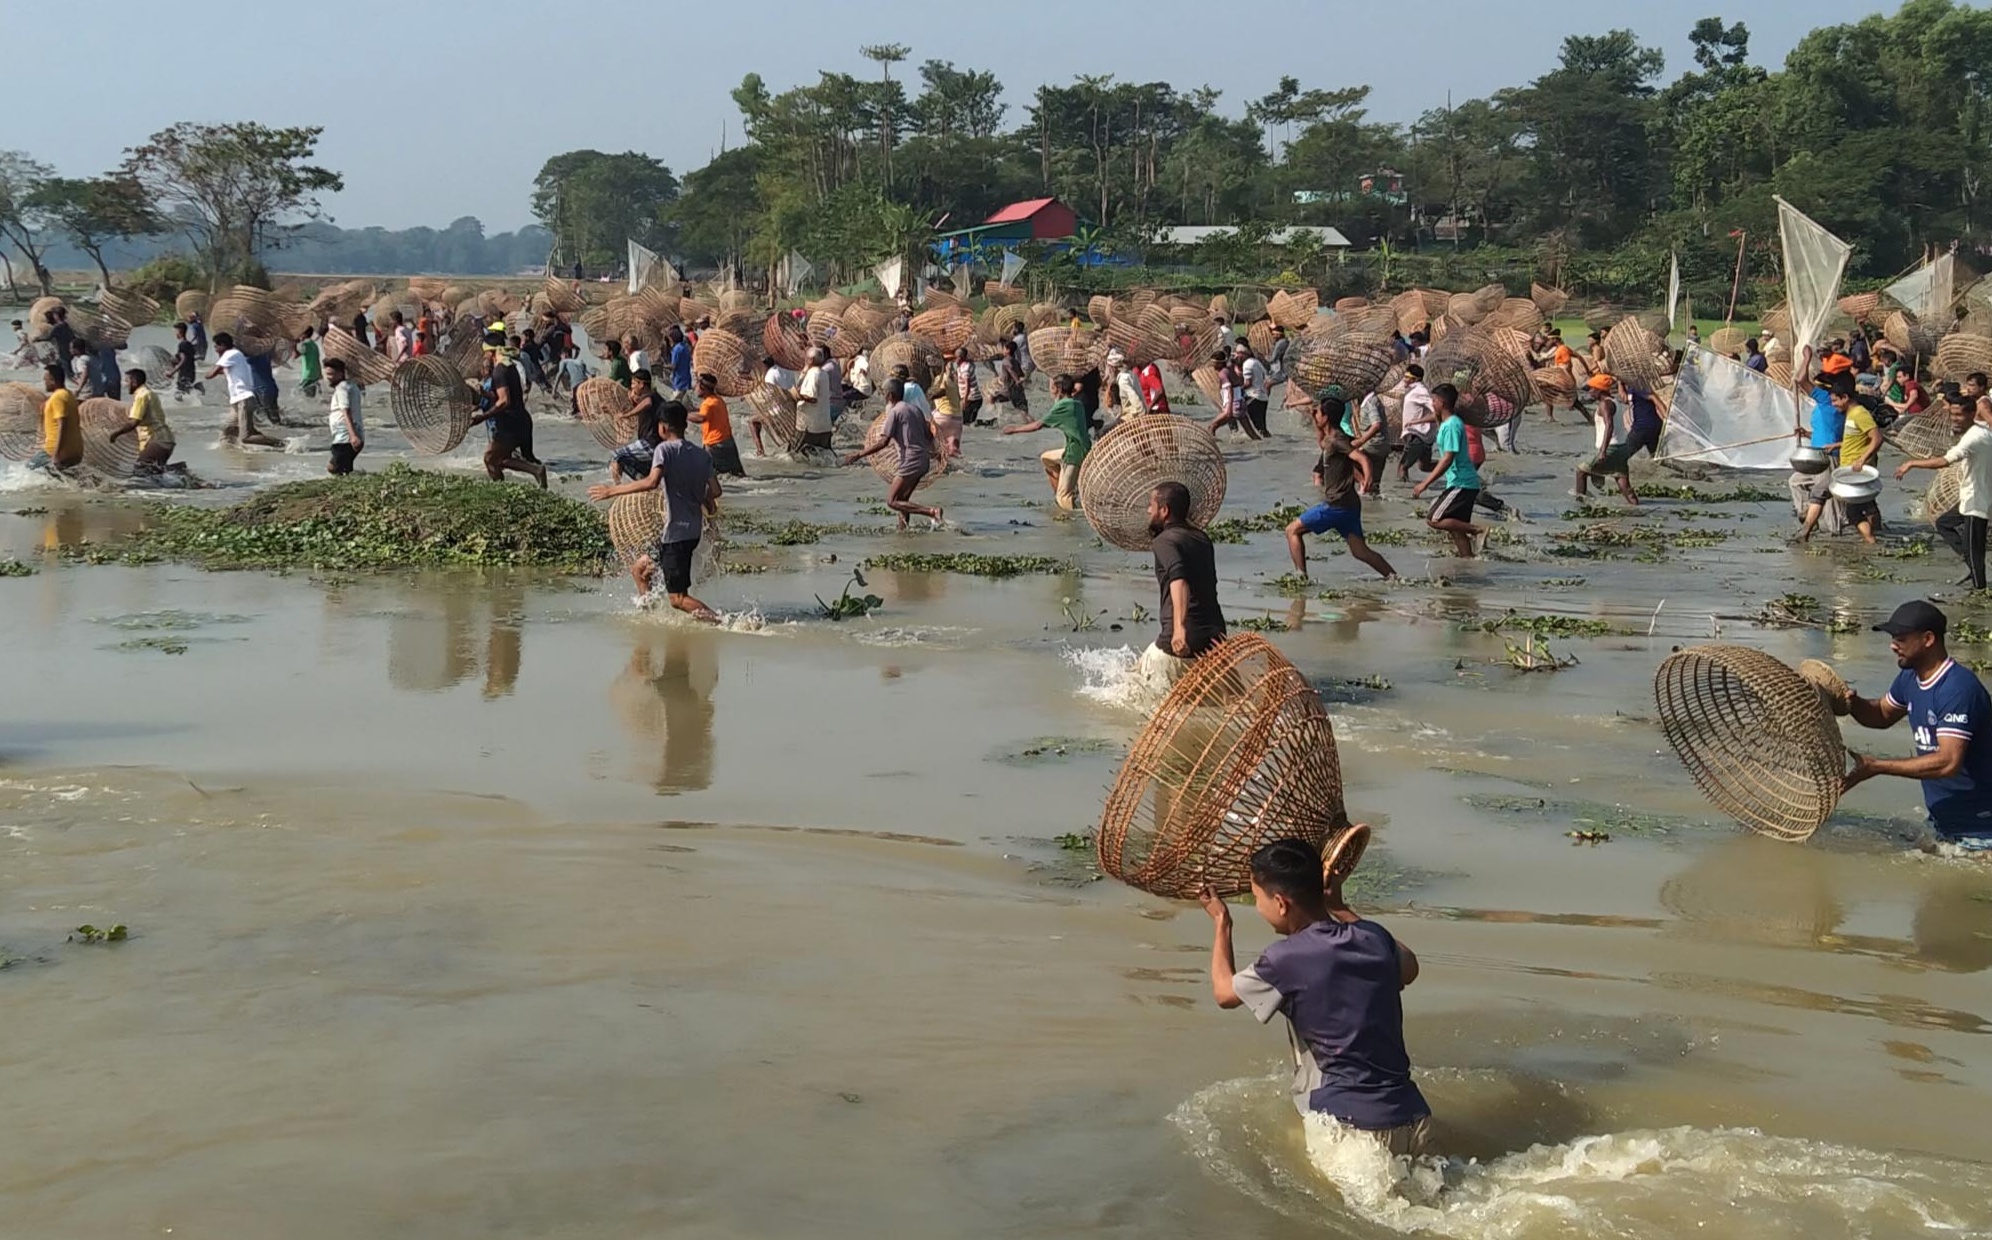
(683, 473)
(911, 433)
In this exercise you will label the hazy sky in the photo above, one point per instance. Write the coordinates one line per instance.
(435, 109)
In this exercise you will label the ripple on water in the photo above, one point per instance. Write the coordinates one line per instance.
(1644, 1184)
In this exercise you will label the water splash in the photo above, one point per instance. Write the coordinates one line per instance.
(1113, 677)
(1637, 1185)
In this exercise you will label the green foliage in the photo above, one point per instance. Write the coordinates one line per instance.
(1546, 626)
(844, 607)
(87, 933)
(1234, 529)
(396, 518)
(238, 189)
(100, 210)
(594, 204)
(165, 278)
(970, 564)
(10, 567)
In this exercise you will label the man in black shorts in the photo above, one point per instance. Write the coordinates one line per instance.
(691, 490)
(511, 444)
(184, 357)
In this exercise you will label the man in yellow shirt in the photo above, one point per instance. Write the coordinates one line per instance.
(1860, 443)
(148, 422)
(62, 432)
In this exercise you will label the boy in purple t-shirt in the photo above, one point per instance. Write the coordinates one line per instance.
(1338, 979)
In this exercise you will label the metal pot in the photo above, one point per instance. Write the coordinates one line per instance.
(1855, 484)
(1810, 460)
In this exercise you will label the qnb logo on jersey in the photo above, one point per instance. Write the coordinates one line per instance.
(1957, 718)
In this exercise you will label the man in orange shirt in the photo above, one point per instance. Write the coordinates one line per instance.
(62, 432)
(716, 421)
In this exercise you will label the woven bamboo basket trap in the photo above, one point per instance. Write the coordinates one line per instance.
(1479, 367)
(20, 421)
(1354, 363)
(1755, 736)
(774, 409)
(1944, 492)
(432, 404)
(1239, 754)
(1960, 354)
(191, 302)
(723, 355)
(605, 407)
(635, 522)
(1129, 461)
(98, 417)
(1924, 434)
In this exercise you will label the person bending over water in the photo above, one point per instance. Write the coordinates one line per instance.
(1338, 979)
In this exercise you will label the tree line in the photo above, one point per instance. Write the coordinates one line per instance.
(1878, 128)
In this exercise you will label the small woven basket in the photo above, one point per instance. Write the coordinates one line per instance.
(189, 303)
(605, 407)
(1833, 690)
(1127, 463)
(432, 404)
(20, 421)
(1343, 854)
(1754, 735)
(98, 417)
(1239, 754)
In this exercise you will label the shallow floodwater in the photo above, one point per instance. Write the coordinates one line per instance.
(473, 904)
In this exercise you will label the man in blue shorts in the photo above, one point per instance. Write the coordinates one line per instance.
(1343, 474)
(1950, 721)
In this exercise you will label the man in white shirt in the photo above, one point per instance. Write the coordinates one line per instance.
(242, 399)
(1963, 527)
(861, 380)
(348, 433)
(1420, 423)
(639, 357)
(401, 343)
(813, 415)
(1258, 386)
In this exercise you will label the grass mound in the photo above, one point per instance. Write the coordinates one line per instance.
(396, 518)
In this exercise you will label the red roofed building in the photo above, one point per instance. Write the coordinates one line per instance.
(1039, 219)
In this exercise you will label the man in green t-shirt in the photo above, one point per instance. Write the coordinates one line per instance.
(1061, 465)
(308, 373)
(1453, 510)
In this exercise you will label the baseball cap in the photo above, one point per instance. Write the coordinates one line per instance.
(1915, 616)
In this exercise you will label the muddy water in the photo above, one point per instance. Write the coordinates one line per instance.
(475, 904)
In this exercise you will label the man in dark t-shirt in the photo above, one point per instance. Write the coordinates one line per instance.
(1343, 474)
(511, 444)
(1186, 571)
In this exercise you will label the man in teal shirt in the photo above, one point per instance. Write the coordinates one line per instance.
(1061, 465)
(308, 373)
(1452, 511)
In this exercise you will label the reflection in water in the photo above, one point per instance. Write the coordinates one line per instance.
(434, 646)
(1758, 891)
(665, 696)
(1953, 927)
(906, 588)
(502, 643)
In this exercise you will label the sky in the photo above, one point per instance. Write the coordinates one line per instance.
(436, 109)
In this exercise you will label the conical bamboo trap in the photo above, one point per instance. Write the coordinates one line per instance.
(786, 340)
(774, 409)
(605, 407)
(636, 521)
(1922, 435)
(1550, 301)
(1633, 355)
(1833, 690)
(1141, 452)
(98, 417)
(1239, 754)
(1944, 491)
(1960, 354)
(20, 421)
(922, 358)
(1352, 363)
(1294, 311)
(1479, 367)
(364, 366)
(1754, 735)
(1728, 341)
(432, 404)
(191, 302)
(723, 355)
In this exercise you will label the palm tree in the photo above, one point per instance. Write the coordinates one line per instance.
(887, 55)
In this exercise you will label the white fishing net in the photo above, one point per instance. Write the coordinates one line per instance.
(1926, 292)
(643, 264)
(1726, 414)
(1673, 290)
(1814, 261)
